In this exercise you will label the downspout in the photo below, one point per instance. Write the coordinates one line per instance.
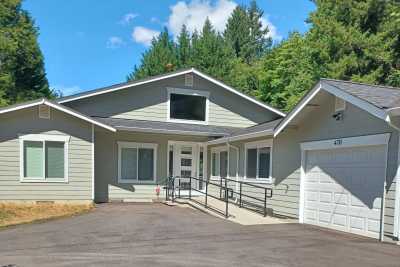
(396, 228)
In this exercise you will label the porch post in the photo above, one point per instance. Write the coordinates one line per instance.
(396, 228)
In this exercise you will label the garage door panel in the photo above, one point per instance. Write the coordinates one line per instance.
(339, 221)
(343, 189)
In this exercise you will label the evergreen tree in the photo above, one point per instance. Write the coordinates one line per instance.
(22, 73)
(211, 54)
(184, 48)
(160, 58)
(237, 32)
(246, 34)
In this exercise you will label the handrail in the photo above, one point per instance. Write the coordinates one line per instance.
(223, 187)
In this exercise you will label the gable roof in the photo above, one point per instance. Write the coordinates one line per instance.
(375, 99)
(384, 97)
(57, 106)
(121, 86)
(167, 127)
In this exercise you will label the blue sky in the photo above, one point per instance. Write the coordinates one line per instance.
(90, 44)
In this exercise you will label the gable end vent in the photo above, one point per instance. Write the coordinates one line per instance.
(44, 112)
(189, 80)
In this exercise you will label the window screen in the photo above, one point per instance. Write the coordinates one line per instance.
(264, 155)
(215, 164)
(146, 164)
(33, 161)
(251, 171)
(187, 107)
(54, 159)
(223, 164)
(129, 163)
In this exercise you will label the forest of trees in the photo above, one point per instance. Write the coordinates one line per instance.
(356, 40)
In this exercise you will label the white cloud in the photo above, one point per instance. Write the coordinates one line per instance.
(273, 32)
(68, 90)
(144, 35)
(127, 18)
(195, 13)
(115, 42)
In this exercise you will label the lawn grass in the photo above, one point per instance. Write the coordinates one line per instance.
(13, 214)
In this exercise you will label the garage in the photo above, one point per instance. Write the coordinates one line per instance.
(342, 185)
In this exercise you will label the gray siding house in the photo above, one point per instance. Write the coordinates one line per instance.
(333, 161)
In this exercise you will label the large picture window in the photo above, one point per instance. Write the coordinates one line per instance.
(258, 160)
(44, 158)
(187, 105)
(136, 162)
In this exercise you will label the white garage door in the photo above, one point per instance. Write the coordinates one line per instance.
(343, 189)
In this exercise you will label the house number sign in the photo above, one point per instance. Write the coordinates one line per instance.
(337, 142)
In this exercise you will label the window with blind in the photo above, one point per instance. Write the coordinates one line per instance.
(137, 162)
(44, 158)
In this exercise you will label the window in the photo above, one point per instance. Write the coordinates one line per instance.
(189, 106)
(219, 162)
(258, 160)
(44, 158)
(136, 162)
(340, 104)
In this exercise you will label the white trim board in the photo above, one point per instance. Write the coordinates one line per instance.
(358, 141)
(374, 110)
(367, 140)
(60, 108)
(192, 70)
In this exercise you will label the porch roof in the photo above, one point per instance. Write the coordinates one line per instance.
(167, 127)
(263, 129)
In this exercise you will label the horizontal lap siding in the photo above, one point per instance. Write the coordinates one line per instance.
(156, 112)
(149, 102)
(79, 186)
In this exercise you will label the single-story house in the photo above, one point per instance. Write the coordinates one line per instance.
(333, 161)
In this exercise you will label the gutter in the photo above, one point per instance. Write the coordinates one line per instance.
(241, 137)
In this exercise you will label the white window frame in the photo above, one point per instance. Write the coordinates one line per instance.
(257, 145)
(122, 145)
(43, 138)
(191, 92)
(218, 151)
(339, 108)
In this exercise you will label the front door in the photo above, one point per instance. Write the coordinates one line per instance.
(186, 160)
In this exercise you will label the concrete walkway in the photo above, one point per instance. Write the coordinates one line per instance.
(237, 215)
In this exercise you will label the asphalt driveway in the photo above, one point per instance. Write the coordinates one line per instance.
(158, 235)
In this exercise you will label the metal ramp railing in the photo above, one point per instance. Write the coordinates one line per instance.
(174, 186)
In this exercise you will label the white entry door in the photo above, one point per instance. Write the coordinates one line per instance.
(343, 188)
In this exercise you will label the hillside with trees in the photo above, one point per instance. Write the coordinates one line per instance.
(356, 40)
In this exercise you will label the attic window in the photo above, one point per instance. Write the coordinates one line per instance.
(340, 104)
(44, 112)
(189, 80)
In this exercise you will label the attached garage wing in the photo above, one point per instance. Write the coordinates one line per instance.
(343, 187)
